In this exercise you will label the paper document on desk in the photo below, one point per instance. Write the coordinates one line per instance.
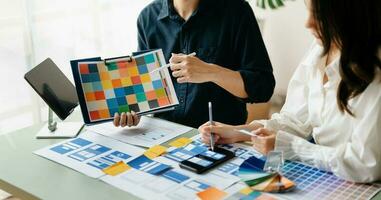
(175, 183)
(149, 132)
(90, 153)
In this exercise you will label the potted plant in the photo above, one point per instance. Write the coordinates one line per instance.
(272, 4)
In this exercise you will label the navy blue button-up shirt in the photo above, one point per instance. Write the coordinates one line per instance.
(223, 32)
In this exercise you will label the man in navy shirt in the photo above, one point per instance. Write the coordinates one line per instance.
(231, 66)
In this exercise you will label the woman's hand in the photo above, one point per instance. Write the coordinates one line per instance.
(126, 119)
(264, 140)
(223, 133)
(190, 69)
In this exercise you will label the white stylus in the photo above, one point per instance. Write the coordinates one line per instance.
(168, 65)
(246, 132)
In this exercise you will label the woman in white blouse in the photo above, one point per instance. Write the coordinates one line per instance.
(334, 96)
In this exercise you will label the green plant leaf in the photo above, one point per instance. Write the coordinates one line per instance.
(261, 4)
(271, 4)
(280, 3)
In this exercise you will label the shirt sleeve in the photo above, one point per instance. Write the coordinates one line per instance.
(254, 63)
(294, 114)
(358, 160)
(142, 42)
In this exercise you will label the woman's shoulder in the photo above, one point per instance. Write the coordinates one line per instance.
(313, 55)
(311, 59)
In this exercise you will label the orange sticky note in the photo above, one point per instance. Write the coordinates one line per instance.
(116, 168)
(211, 193)
(180, 142)
(155, 151)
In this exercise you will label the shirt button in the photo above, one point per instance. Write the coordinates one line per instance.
(181, 100)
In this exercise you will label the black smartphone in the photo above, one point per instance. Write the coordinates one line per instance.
(207, 160)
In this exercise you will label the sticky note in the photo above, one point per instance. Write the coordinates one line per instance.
(246, 190)
(155, 151)
(180, 142)
(211, 193)
(116, 168)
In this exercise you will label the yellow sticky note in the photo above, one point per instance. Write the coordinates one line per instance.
(246, 190)
(180, 142)
(155, 151)
(116, 168)
(211, 193)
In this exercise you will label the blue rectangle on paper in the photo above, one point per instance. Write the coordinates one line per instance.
(174, 176)
(142, 161)
(118, 154)
(70, 146)
(81, 142)
(139, 162)
(198, 186)
(89, 152)
(160, 168)
(109, 159)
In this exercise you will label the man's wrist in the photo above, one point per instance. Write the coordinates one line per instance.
(216, 72)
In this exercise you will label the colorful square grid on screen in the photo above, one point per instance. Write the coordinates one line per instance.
(125, 85)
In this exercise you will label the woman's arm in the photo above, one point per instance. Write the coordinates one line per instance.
(357, 160)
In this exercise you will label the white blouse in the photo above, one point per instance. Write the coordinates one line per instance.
(350, 147)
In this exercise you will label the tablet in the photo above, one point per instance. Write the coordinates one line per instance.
(53, 87)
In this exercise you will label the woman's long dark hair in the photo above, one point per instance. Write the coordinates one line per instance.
(354, 26)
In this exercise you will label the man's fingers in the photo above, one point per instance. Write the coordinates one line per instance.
(176, 58)
(129, 119)
(177, 66)
(123, 119)
(116, 119)
(135, 117)
(178, 73)
(182, 80)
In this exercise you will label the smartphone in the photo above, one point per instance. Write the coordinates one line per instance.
(207, 160)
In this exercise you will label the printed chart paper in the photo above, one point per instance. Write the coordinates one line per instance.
(149, 132)
(90, 153)
(176, 183)
(123, 85)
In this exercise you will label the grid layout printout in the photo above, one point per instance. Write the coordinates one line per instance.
(90, 153)
(312, 183)
(123, 85)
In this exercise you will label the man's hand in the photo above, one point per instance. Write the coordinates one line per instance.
(190, 69)
(126, 119)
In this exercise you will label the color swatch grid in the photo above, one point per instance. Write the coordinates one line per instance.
(125, 85)
(312, 183)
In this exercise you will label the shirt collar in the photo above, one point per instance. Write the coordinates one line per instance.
(167, 8)
(164, 10)
(315, 60)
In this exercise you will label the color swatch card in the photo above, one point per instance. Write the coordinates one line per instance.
(125, 84)
(251, 172)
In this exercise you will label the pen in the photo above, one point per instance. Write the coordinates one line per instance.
(211, 124)
(246, 132)
(168, 65)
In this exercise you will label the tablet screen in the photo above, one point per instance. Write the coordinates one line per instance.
(53, 87)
